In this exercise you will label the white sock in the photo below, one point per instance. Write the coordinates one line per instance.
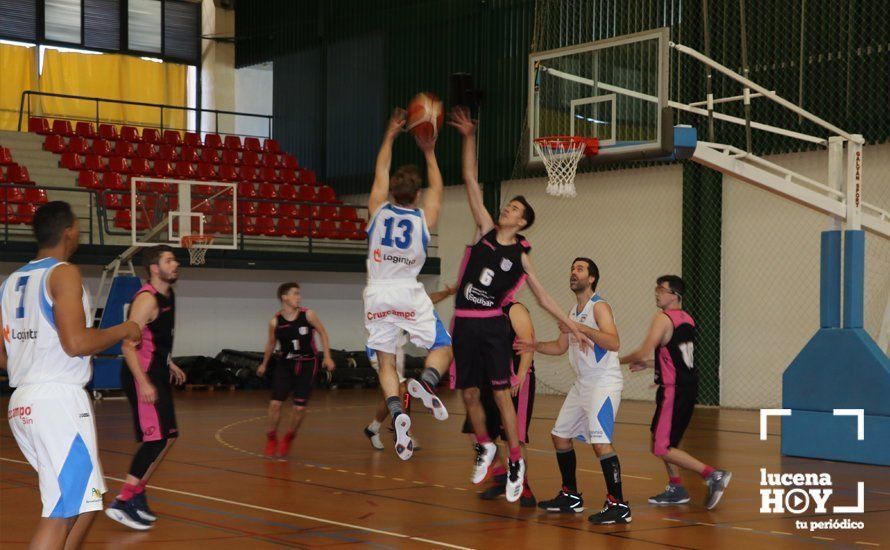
(374, 426)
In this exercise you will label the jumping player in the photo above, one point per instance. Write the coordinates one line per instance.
(293, 331)
(522, 382)
(590, 407)
(46, 318)
(398, 234)
(671, 339)
(494, 268)
(147, 383)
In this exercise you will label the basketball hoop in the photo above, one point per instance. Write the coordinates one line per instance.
(561, 155)
(197, 247)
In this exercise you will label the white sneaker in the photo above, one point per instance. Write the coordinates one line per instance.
(421, 390)
(404, 445)
(485, 454)
(515, 479)
(374, 438)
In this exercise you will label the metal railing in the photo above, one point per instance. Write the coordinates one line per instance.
(26, 111)
(5, 203)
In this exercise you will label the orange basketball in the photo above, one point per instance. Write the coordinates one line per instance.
(425, 115)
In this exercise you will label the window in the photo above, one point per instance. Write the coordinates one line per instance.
(18, 20)
(62, 20)
(144, 17)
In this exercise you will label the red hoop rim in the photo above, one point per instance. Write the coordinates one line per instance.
(591, 145)
(190, 240)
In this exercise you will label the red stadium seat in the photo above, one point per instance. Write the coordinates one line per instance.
(147, 151)
(213, 141)
(306, 176)
(287, 192)
(16, 173)
(140, 166)
(268, 191)
(350, 230)
(123, 220)
(101, 147)
(248, 208)
(268, 227)
(288, 227)
(172, 137)
(306, 193)
(108, 131)
(231, 157)
(85, 130)
(327, 229)
(118, 164)
(326, 194)
(290, 161)
(162, 169)
(252, 144)
(247, 173)
(288, 175)
(250, 158)
(113, 180)
(192, 140)
(63, 128)
(270, 160)
(14, 195)
(54, 144)
(25, 212)
(348, 213)
(71, 161)
(247, 225)
(38, 125)
(202, 205)
(88, 179)
(168, 152)
(152, 135)
(271, 146)
(94, 163)
(268, 209)
(247, 190)
(35, 195)
(124, 149)
(268, 174)
(206, 171)
(223, 205)
(209, 155)
(78, 144)
(188, 154)
(218, 223)
(5, 156)
(228, 172)
(130, 133)
(233, 143)
(289, 210)
(328, 213)
(185, 170)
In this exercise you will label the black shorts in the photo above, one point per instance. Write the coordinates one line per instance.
(674, 406)
(293, 377)
(524, 403)
(483, 352)
(152, 421)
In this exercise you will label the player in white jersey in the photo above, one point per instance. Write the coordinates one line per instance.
(48, 341)
(591, 405)
(398, 234)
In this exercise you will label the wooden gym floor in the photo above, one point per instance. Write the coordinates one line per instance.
(215, 490)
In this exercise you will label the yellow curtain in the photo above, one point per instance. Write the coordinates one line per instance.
(112, 76)
(17, 63)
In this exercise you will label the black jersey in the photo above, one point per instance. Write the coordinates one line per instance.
(491, 274)
(157, 336)
(296, 339)
(674, 360)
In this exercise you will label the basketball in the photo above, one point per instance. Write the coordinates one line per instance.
(425, 115)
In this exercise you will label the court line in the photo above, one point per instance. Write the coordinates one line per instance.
(282, 512)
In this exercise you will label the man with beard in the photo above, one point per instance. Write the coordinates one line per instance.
(147, 383)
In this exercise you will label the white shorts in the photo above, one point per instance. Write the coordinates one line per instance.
(392, 307)
(589, 412)
(400, 358)
(55, 428)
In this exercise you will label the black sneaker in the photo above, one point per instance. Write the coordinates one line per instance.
(565, 502)
(612, 512)
(673, 494)
(141, 504)
(497, 489)
(527, 498)
(125, 513)
(716, 482)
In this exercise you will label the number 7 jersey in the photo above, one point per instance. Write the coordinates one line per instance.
(397, 242)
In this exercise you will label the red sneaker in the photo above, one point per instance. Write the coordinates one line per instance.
(284, 446)
(271, 443)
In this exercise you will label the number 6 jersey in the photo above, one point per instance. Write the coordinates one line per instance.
(397, 241)
(29, 330)
(491, 274)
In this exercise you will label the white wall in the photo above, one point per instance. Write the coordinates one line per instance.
(253, 94)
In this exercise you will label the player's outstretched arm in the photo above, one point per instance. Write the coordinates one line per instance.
(521, 322)
(328, 361)
(380, 188)
(143, 310)
(66, 288)
(440, 295)
(270, 347)
(607, 334)
(460, 119)
(659, 331)
(432, 197)
(547, 302)
(553, 347)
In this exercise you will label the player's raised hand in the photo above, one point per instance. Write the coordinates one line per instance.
(396, 121)
(460, 119)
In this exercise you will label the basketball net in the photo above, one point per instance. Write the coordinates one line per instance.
(561, 155)
(197, 247)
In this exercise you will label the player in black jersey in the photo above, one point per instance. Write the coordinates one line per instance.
(495, 267)
(147, 384)
(671, 340)
(292, 333)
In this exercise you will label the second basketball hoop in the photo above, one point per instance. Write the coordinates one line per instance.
(561, 155)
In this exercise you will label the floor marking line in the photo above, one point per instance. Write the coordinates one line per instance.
(280, 512)
(823, 538)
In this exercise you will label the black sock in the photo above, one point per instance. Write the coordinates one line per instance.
(394, 404)
(612, 473)
(567, 464)
(430, 376)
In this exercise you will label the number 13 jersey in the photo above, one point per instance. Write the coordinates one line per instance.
(397, 242)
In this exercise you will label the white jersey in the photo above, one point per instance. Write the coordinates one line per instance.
(29, 329)
(596, 364)
(397, 241)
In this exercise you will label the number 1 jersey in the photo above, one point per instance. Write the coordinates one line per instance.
(397, 242)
